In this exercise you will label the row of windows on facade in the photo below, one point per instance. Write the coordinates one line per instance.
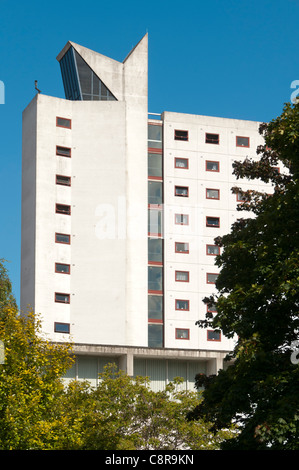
(154, 336)
(241, 141)
(155, 193)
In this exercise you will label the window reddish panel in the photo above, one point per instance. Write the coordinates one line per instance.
(182, 304)
(63, 122)
(181, 163)
(182, 276)
(181, 135)
(63, 209)
(62, 298)
(242, 141)
(213, 250)
(212, 278)
(63, 151)
(213, 222)
(181, 247)
(63, 180)
(212, 138)
(213, 335)
(182, 333)
(182, 191)
(212, 165)
(63, 238)
(212, 193)
(62, 268)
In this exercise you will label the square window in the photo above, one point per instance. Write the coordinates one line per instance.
(213, 250)
(181, 304)
(63, 209)
(63, 122)
(61, 327)
(182, 163)
(213, 335)
(63, 180)
(182, 219)
(242, 141)
(182, 276)
(212, 138)
(213, 222)
(182, 191)
(182, 333)
(212, 193)
(212, 165)
(62, 298)
(212, 278)
(181, 247)
(181, 135)
(63, 238)
(63, 151)
(62, 268)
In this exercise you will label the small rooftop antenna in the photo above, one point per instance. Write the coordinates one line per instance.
(35, 82)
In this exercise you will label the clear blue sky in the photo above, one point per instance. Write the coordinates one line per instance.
(232, 59)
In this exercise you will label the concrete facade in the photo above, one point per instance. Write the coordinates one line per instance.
(87, 270)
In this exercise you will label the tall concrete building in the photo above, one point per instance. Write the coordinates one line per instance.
(120, 209)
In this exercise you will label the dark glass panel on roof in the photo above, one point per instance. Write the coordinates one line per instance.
(79, 80)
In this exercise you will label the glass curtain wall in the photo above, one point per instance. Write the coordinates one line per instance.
(155, 236)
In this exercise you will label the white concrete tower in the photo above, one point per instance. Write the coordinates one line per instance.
(84, 211)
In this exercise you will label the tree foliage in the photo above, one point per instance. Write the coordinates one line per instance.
(257, 300)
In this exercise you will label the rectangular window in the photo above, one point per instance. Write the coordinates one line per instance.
(62, 298)
(212, 165)
(181, 191)
(155, 307)
(155, 335)
(181, 247)
(63, 238)
(155, 192)
(212, 278)
(212, 193)
(155, 250)
(61, 327)
(182, 276)
(213, 222)
(63, 209)
(155, 279)
(182, 163)
(182, 219)
(63, 151)
(213, 335)
(181, 333)
(155, 165)
(212, 138)
(181, 135)
(212, 308)
(63, 180)
(213, 250)
(242, 141)
(63, 122)
(181, 304)
(155, 136)
(155, 222)
(62, 268)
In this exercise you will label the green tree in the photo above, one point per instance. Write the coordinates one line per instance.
(32, 415)
(257, 301)
(6, 295)
(123, 413)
